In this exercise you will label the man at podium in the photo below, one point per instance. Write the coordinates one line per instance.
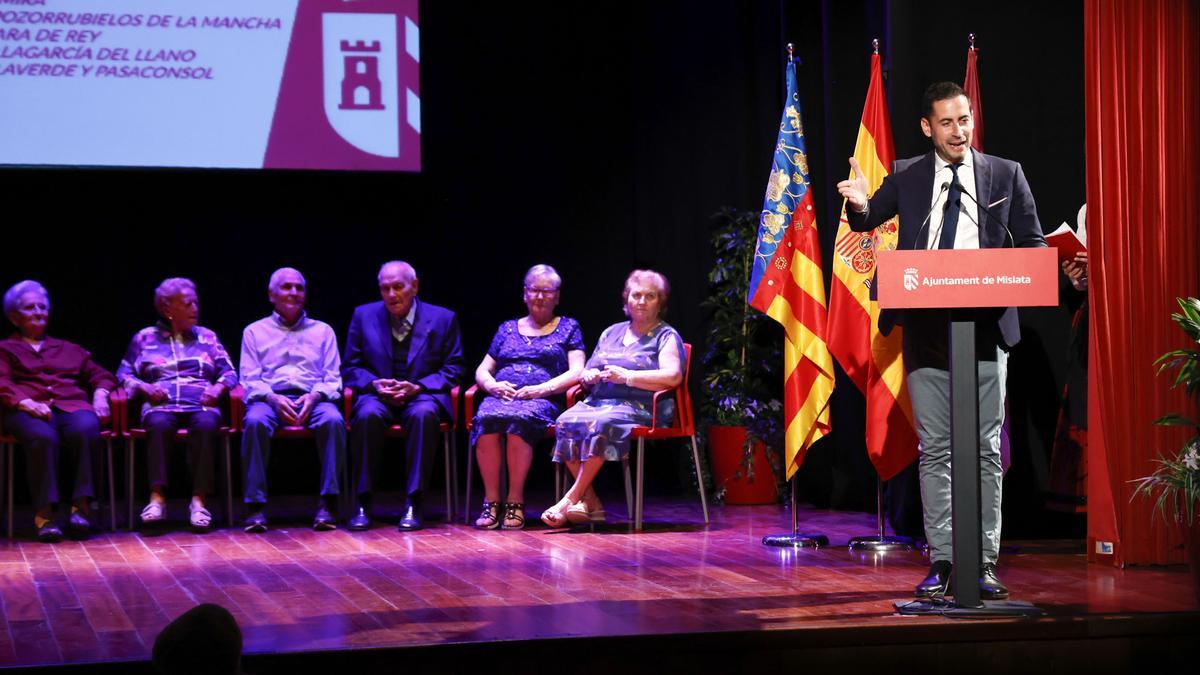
(952, 197)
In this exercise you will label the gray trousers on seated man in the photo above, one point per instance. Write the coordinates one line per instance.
(328, 427)
(925, 360)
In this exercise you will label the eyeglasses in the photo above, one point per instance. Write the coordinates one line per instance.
(541, 291)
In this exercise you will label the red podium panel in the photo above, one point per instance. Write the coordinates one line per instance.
(986, 277)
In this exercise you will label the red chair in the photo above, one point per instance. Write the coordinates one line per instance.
(684, 427)
(7, 451)
(469, 417)
(235, 411)
(450, 446)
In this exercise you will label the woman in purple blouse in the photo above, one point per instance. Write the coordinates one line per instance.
(180, 371)
(52, 396)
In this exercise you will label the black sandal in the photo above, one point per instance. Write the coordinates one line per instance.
(489, 517)
(514, 513)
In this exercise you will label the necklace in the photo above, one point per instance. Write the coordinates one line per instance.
(529, 338)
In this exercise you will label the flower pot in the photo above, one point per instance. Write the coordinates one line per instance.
(726, 446)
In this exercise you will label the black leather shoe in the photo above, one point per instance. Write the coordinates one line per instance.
(360, 521)
(325, 521)
(990, 587)
(411, 519)
(78, 526)
(49, 533)
(256, 522)
(938, 581)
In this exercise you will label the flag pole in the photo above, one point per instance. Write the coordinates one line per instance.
(795, 538)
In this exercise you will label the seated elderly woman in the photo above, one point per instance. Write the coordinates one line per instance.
(531, 362)
(52, 394)
(180, 370)
(632, 360)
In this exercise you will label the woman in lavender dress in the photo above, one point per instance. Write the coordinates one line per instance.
(532, 360)
(633, 359)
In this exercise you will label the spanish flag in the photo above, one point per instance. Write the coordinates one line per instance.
(873, 362)
(786, 283)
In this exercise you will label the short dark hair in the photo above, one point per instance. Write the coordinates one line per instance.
(938, 91)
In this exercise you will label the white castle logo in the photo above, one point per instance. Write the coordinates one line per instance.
(361, 87)
(911, 279)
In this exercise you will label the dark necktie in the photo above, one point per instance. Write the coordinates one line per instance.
(953, 204)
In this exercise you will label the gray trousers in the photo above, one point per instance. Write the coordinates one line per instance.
(929, 389)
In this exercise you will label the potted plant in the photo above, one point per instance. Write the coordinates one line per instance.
(1175, 483)
(740, 405)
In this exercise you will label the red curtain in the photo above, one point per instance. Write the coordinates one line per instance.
(1142, 71)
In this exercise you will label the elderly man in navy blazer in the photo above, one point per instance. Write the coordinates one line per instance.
(402, 358)
(952, 197)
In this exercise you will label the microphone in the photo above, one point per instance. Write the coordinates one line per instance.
(987, 213)
(941, 190)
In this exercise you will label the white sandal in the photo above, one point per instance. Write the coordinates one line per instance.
(154, 512)
(201, 518)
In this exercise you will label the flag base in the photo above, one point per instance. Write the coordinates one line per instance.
(874, 544)
(796, 540)
(988, 609)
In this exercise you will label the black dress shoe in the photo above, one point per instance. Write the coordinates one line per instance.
(990, 587)
(325, 521)
(256, 522)
(78, 526)
(361, 520)
(411, 519)
(49, 533)
(937, 582)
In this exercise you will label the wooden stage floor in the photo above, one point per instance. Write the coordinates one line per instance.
(452, 587)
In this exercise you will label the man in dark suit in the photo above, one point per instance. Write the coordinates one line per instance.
(402, 358)
(952, 197)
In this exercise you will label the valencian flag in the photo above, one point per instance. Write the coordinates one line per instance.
(873, 362)
(786, 283)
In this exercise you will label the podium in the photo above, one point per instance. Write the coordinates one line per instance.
(961, 280)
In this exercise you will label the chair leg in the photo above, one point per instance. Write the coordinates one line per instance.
(454, 471)
(129, 481)
(641, 477)
(112, 492)
(449, 481)
(228, 485)
(9, 451)
(629, 506)
(699, 478)
(558, 479)
(470, 477)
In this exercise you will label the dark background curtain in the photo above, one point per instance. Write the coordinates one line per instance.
(596, 137)
(1143, 116)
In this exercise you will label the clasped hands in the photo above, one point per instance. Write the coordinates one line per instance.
(157, 394)
(609, 373)
(506, 391)
(294, 413)
(395, 392)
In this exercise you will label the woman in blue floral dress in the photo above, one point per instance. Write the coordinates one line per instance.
(531, 362)
(633, 359)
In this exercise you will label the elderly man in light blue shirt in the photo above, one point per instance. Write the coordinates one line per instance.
(292, 375)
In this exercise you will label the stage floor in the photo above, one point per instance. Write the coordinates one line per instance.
(293, 589)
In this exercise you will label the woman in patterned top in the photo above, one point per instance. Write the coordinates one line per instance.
(180, 371)
(633, 359)
(531, 362)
